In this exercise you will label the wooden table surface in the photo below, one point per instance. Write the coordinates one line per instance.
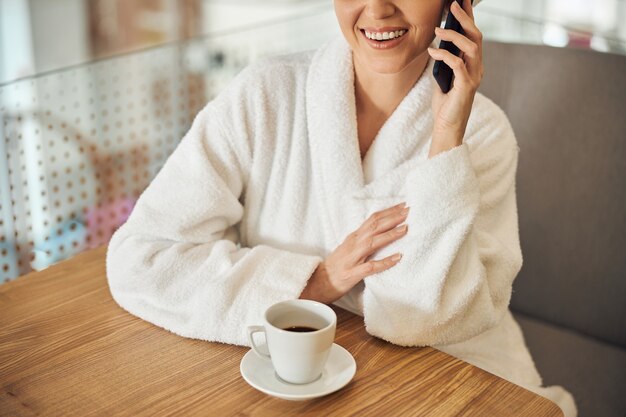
(66, 348)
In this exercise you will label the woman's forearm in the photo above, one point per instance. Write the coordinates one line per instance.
(442, 143)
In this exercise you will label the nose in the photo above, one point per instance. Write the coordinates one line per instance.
(379, 9)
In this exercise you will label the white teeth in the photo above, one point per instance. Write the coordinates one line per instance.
(385, 35)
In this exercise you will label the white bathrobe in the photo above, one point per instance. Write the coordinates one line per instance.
(269, 181)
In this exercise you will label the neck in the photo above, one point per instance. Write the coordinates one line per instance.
(381, 93)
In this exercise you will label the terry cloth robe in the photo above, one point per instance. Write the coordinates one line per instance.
(269, 181)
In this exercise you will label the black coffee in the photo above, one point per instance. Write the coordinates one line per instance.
(300, 329)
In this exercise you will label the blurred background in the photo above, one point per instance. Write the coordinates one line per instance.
(95, 94)
(43, 35)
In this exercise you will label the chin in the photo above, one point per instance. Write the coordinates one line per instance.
(392, 62)
(387, 65)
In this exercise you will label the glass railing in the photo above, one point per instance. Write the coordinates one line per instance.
(80, 144)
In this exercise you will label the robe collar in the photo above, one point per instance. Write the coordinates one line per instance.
(333, 135)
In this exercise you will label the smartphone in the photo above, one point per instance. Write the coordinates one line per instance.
(441, 71)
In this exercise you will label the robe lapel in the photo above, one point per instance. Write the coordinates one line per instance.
(404, 137)
(345, 181)
(331, 118)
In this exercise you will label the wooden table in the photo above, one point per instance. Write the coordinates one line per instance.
(66, 348)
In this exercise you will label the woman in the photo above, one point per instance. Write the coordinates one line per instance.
(289, 185)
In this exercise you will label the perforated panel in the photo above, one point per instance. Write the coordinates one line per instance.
(79, 146)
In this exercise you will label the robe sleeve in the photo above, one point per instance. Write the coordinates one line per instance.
(176, 261)
(461, 252)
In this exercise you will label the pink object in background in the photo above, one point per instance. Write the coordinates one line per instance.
(103, 220)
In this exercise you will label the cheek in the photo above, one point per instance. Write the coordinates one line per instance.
(424, 32)
(423, 35)
(346, 16)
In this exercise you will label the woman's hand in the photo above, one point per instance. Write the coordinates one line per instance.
(452, 110)
(346, 265)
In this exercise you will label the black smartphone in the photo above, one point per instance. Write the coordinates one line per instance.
(441, 71)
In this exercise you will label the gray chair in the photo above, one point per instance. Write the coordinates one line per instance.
(567, 108)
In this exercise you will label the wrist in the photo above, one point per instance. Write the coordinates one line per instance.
(448, 135)
(441, 143)
(311, 291)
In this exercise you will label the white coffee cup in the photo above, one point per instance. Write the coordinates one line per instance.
(297, 357)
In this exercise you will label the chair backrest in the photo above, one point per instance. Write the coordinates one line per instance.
(567, 108)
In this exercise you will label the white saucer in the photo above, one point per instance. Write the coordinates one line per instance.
(338, 371)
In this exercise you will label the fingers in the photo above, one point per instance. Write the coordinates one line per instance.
(462, 78)
(469, 43)
(370, 244)
(466, 19)
(468, 47)
(379, 221)
(391, 209)
(467, 7)
(376, 232)
(372, 267)
(347, 265)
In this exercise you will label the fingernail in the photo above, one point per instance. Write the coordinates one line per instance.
(405, 210)
(401, 229)
(396, 257)
(401, 204)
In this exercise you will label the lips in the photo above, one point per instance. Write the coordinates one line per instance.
(383, 29)
(383, 44)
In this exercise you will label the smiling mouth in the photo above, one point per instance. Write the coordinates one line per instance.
(384, 36)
